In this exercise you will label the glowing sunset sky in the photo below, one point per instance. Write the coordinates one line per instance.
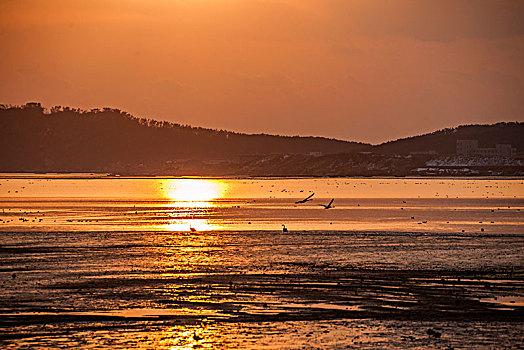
(352, 69)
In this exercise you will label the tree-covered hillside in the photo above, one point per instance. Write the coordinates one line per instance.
(444, 141)
(65, 139)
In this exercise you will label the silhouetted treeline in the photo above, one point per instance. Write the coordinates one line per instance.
(444, 141)
(66, 139)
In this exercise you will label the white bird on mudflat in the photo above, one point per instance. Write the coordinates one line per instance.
(306, 200)
(329, 205)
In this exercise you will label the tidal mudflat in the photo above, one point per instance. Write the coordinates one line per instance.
(204, 263)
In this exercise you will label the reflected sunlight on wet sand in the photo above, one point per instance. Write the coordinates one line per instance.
(185, 263)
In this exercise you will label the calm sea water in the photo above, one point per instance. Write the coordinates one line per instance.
(193, 262)
(393, 205)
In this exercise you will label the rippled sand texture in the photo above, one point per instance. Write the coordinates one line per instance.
(105, 263)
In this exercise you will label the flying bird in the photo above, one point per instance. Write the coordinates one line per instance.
(306, 199)
(329, 205)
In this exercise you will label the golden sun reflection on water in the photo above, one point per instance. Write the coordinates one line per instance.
(186, 225)
(195, 194)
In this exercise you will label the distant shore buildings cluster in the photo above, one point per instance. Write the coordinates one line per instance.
(471, 147)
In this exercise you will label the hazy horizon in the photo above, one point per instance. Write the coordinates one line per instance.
(363, 71)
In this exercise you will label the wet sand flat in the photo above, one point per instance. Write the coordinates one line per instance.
(139, 277)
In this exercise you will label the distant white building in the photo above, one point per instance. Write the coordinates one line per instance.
(471, 147)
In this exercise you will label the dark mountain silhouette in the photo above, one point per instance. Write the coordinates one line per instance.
(445, 141)
(33, 139)
(65, 139)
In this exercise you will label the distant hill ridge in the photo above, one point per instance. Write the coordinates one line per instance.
(62, 138)
(67, 139)
(444, 141)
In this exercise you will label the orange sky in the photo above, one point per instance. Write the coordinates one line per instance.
(359, 70)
